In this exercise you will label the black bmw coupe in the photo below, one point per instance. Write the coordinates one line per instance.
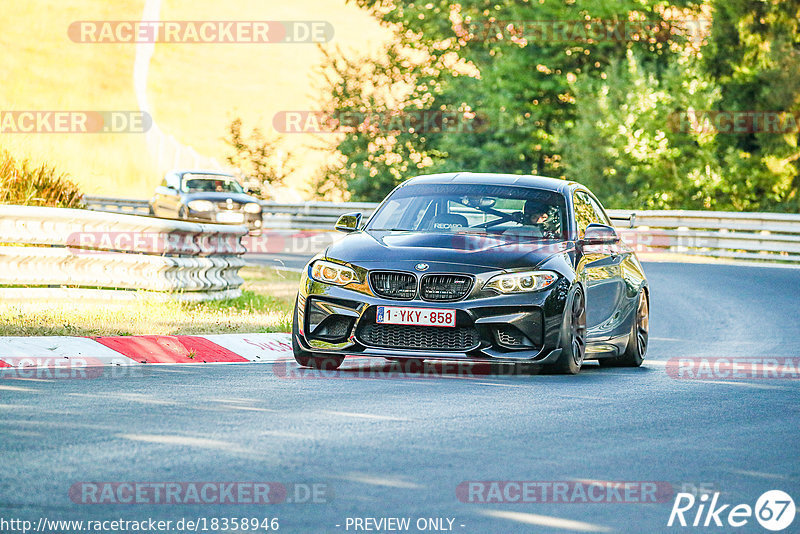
(476, 267)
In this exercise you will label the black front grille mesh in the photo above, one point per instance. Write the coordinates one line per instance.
(445, 287)
(419, 337)
(510, 337)
(394, 285)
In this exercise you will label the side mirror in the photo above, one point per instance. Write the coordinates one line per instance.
(349, 222)
(599, 234)
(165, 190)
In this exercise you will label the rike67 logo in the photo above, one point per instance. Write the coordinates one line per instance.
(774, 510)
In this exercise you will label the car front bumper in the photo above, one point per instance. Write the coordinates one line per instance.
(253, 221)
(510, 328)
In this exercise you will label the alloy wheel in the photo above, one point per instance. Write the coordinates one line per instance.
(642, 324)
(578, 328)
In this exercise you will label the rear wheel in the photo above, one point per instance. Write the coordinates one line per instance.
(573, 336)
(309, 359)
(637, 342)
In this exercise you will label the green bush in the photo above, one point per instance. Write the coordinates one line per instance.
(28, 185)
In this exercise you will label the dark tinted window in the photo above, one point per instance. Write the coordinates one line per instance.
(210, 183)
(473, 208)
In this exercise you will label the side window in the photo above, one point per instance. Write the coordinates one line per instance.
(173, 181)
(584, 212)
(599, 212)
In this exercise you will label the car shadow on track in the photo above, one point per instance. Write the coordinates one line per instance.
(375, 369)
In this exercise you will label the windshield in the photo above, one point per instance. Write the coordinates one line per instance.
(460, 208)
(210, 183)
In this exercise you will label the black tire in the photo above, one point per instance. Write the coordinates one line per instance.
(308, 359)
(573, 337)
(150, 211)
(636, 349)
(182, 215)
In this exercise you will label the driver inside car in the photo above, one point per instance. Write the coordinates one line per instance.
(537, 215)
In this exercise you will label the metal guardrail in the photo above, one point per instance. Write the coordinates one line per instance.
(720, 234)
(732, 235)
(55, 251)
(118, 205)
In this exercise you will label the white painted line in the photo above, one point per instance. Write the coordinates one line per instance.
(384, 480)
(546, 521)
(202, 443)
(15, 388)
(257, 348)
(752, 385)
(49, 351)
(128, 397)
(363, 415)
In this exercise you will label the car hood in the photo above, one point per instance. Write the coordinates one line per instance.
(242, 198)
(403, 250)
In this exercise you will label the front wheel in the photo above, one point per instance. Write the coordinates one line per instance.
(573, 336)
(637, 341)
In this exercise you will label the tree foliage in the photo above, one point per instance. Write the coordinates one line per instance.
(598, 110)
(259, 158)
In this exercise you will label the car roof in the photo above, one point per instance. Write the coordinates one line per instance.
(521, 180)
(200, 171)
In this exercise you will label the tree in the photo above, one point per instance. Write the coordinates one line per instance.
(258, 157)
(753, 54)
(597, 108)
(627, 143)
(479, 57)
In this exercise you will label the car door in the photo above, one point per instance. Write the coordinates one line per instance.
(599, 267)
(172, 198)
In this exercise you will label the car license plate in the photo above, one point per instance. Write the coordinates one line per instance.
(415, 316)
(228, 217)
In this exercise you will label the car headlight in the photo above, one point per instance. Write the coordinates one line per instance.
(521, 282)
(201, 205)
(252, 207)
(332, 273)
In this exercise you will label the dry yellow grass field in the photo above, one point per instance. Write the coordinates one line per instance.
(195, 90)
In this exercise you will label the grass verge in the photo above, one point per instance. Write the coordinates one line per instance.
(266, 305)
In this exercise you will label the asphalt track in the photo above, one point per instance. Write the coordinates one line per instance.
(399, 446)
